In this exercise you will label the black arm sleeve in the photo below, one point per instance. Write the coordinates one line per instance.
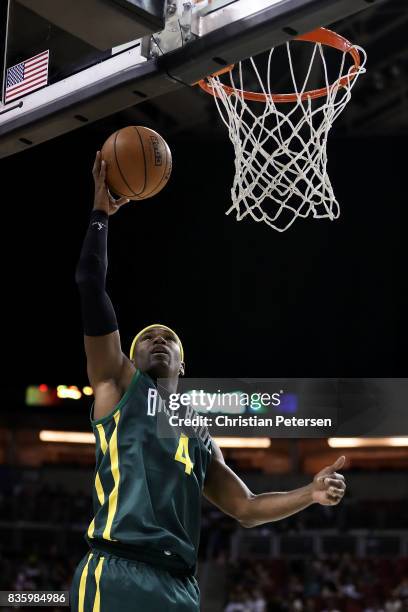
(98, 314)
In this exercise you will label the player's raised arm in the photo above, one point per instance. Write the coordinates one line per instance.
(105, 359)
(227, 491)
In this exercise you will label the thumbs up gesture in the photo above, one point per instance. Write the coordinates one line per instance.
(328, 486)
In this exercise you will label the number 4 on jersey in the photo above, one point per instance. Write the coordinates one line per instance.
(182, 454)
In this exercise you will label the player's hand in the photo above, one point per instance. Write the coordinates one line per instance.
(103, 198)
(328, 486)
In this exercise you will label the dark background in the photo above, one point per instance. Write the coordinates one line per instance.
(322, 299)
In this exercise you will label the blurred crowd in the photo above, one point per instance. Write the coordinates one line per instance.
(323, 584)
(40, 501)
(50, 570)
(339, 583)
(44, 503)
(42, 530)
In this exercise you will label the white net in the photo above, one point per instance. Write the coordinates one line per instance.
(281, 149)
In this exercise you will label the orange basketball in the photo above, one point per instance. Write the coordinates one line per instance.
(138, 162)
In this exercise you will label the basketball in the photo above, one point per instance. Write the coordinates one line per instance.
(138, 162)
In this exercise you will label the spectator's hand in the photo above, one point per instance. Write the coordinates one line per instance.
(103, 199)
(328, 487)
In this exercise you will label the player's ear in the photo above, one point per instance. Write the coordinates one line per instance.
(182, 368)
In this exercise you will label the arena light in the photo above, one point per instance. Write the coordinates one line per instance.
(44, 395)
(243, 442)
(71, 392)
(366, 442)
(72, 437)
(400, 441)
(41, 395)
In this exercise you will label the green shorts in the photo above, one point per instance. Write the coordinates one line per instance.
(107, 583)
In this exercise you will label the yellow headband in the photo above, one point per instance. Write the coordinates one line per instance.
(136, 338)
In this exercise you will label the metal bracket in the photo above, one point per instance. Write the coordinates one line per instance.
(176, 34)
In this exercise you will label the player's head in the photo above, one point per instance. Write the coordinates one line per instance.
(157, 350)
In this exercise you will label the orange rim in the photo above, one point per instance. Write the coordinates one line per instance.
(321, 35)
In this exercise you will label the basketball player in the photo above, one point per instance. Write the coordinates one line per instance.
(145, 532)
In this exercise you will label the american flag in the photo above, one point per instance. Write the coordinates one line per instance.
(27, 76)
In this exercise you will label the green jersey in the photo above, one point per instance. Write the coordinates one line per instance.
(148, 489)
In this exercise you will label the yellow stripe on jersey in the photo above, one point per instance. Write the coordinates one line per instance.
(113, 495)
(104, 446)
(102, 439)
(98, 572)
(99, 489)
(98, 485)
(82, 585)
(91, 528)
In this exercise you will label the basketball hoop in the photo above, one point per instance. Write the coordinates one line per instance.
(289, 179)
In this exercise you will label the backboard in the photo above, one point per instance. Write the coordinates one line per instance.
(60, 73)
